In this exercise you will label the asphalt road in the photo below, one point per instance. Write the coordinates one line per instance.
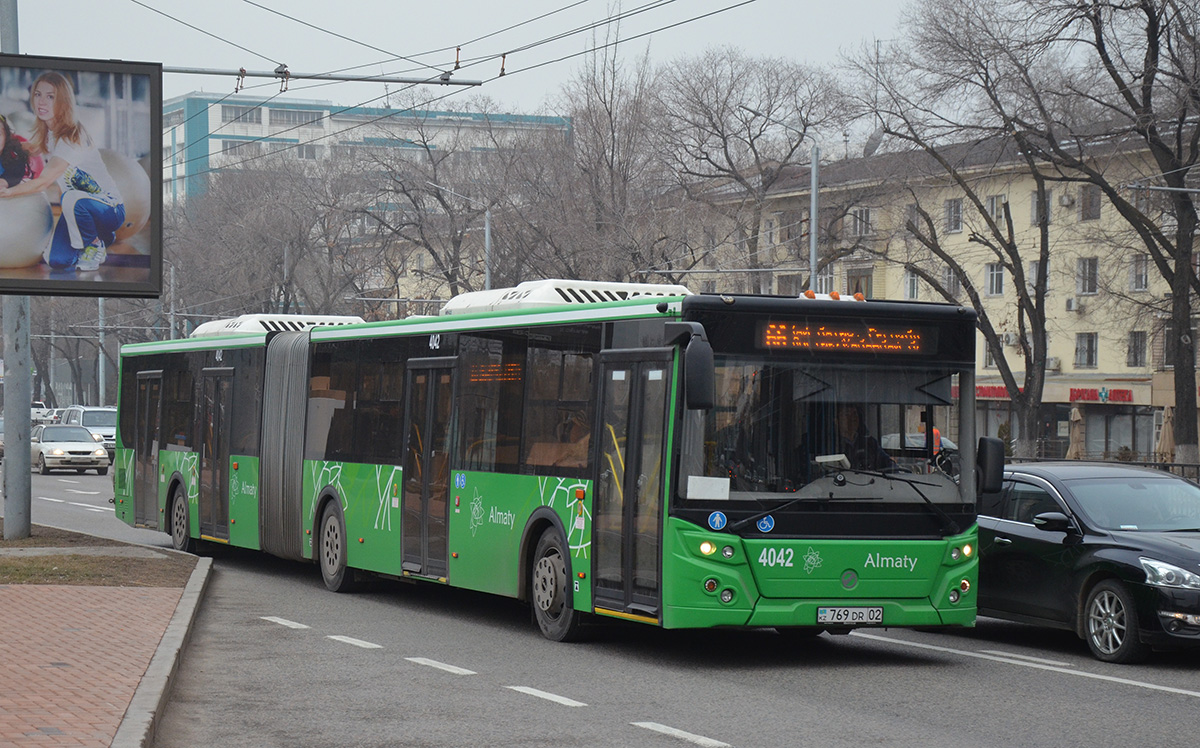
(276, 660)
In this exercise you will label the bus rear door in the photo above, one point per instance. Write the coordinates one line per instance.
(430, 395)
(216, 420)
(147, 425)
(627, 513)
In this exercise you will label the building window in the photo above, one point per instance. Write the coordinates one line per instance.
(1089, 203)
(1139, 273)
(950, 281)
(860, 222)
(954, 218)
(912, 285)
(305, 151)
(241, 148)
(788, 285)
(295, 117)
(912, 216)
(1040, 211)
(1035, 270)
(1086, 350)
(1136, 355)
(989, 358)
(824, 280)
(769, 233)
(1087, 280)
(860, 281)
(250, 115)
(995, 279)
(172, 119)
(995, 208)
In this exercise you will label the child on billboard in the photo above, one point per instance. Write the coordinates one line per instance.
(92, 206)
(16, 164)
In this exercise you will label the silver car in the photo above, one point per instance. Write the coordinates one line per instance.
(53, 447)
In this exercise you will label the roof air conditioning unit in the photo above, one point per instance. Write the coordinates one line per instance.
(1066, 199)
(1053, 363)
(1074, 304)
(1010, 338)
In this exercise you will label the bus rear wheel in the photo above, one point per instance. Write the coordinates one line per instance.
(181, 539)
(332, 550)
(548, 584)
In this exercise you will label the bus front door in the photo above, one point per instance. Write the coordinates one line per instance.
(147, 420)
(627, 511)
(430, 395)
(216, 419)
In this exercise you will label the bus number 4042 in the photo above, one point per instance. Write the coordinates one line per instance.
(776, 557)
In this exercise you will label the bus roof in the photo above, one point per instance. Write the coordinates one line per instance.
(555, 292)
(251, 323)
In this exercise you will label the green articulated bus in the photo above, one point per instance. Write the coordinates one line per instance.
(630, 451)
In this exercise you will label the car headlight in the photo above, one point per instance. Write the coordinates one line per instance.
(101, 452)
(57, 452)
(1162, 574)
(97, 437)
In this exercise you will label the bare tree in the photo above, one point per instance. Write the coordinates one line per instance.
(736, 125)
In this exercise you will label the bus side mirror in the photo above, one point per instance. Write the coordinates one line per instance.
(699, 374)
(989, 464)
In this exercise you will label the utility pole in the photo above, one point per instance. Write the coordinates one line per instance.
(18, 366)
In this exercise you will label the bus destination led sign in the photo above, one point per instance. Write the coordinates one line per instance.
(843, 337)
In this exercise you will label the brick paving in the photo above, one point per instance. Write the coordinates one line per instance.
(72, 657)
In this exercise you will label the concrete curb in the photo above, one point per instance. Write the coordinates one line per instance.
(141, 718)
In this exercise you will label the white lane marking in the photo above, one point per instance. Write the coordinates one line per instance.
(547, 696)
(56, 501)
(85, 493)
(284, 622)
(1026, 657)
(92, 508)
(697, 739)
(355, 642)
(68, 480)
(441, 666)
(1035, 665)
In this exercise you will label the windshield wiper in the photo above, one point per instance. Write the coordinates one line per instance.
(791, 502)
(950, 524)
(1184, 529)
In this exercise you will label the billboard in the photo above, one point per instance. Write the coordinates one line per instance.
(80, 177)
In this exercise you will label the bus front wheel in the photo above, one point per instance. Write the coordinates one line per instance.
(332, 552)
(548, 581)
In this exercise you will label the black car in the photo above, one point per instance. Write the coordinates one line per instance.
(1107, 551)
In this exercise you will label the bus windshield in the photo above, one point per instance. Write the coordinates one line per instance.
(801, 429)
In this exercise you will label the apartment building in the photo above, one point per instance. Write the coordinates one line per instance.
(1104, 307)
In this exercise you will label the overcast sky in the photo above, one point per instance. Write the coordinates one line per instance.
(339, 34)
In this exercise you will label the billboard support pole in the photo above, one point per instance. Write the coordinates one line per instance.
(18, 380)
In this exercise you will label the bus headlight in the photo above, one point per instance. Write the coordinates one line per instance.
(727, 551)
(708, 548)
(726, 596)
(953, 596)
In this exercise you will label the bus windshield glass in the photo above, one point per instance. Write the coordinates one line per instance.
(802, 429)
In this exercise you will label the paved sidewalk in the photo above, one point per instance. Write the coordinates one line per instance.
(90, 666)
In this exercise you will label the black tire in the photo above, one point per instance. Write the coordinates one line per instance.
(180, 526)
(41, 465)
(1111, 624)
(81, 471)
(102, 471)
(549, 590)
(331, 550)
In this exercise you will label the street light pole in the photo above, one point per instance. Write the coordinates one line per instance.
(487, 233)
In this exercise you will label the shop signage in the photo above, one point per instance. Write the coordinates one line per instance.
(1101, 395)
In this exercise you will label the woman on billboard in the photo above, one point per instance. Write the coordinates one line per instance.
(92, 206)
